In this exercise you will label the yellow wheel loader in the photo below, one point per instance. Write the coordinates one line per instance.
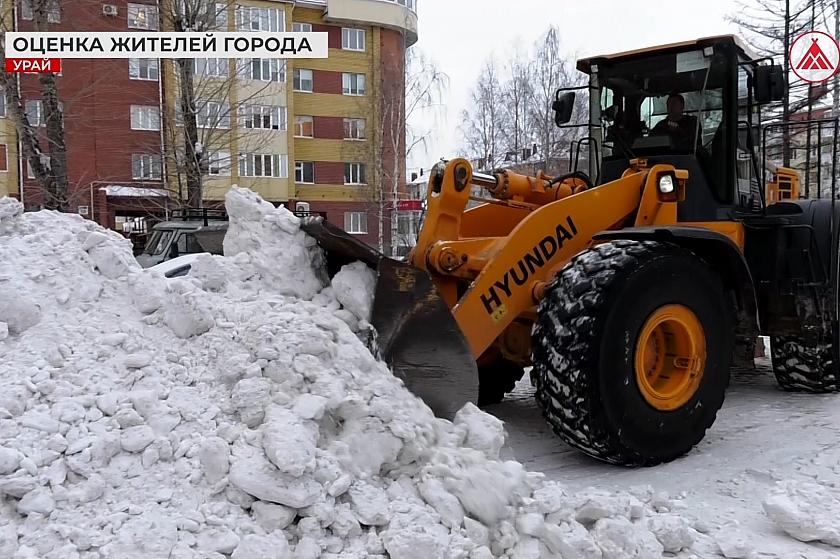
(633, 288)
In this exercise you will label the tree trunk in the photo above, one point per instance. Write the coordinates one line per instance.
(51, 179)
(55, 195)
(192, 158)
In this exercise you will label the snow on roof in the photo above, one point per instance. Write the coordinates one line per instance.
(134, 191)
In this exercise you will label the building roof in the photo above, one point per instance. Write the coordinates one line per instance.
(584, 64)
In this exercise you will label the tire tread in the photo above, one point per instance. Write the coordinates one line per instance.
(802, 367)
(563, 337)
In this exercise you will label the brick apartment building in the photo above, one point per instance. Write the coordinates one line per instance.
(305, 133)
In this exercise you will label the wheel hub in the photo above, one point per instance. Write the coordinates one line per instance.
(670, 357)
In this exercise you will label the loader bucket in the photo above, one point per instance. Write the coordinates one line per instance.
(416, 333)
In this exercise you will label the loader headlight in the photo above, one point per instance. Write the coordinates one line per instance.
(666, 184)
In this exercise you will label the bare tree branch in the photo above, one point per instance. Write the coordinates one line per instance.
(50, 174)
(510, 116)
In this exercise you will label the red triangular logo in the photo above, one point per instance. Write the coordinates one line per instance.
(814, 59)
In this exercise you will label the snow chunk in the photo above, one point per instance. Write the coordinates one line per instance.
(619, 538)
(18, 311)
(137, 438)
(806, 510)
(271, 240)
(214, 456)
(289, 444)
(257, 477)
(732, 542)
(484, 431)
(673, 532)
(354, 286)
(9, 460)
(273, 546)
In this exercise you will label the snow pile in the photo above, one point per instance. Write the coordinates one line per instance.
(236, 413)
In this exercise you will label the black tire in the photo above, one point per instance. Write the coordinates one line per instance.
(496, 380)
(585, 380)
(800, 366)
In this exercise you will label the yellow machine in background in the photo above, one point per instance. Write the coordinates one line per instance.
(784, 185)
(632, 288)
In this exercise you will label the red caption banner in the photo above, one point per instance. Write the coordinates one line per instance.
(33, 65)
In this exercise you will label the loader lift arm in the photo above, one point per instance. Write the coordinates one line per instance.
(507, 273)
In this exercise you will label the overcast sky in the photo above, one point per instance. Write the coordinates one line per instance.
(460, 34)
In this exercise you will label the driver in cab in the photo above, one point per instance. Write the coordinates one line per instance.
(681, 127)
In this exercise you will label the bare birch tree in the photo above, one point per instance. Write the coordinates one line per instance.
(511, 114)
(551, 71)
(482, 122)
(221, 102)
(404, 110)
(517, 92)
(770, 27)
(50, 172)
(406, 102)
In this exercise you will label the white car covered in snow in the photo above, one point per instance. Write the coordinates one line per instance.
(176, 267)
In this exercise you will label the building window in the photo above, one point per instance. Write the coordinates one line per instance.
(298, 27)
(263, 117)
(217, 15)
(305, 172)
(303, 126)
(206, 15)
(303, 79)
(145, 117)
(213, 115)
(353, 84)
(251, 18)
(354, 173)
(34, 112)
(216, 67)
(4, 158)
(263, 165)
(146, 167)
(263, 69)
(353, 39)
(53, 11)
(144, 68)
(408, 223)
(45, 161)
(219, 164)
(354, 128)
(355, 222)
(143, 16)
(2, 103)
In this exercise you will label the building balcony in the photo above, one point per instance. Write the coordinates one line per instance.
(400, 15)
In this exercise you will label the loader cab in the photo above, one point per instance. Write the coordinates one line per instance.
(714, 82)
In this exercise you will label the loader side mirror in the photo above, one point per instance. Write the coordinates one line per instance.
(562, 107)
(769, 84)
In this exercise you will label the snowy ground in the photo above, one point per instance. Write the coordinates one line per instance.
(761, 436)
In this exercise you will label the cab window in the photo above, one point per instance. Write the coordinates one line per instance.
(187, 244)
